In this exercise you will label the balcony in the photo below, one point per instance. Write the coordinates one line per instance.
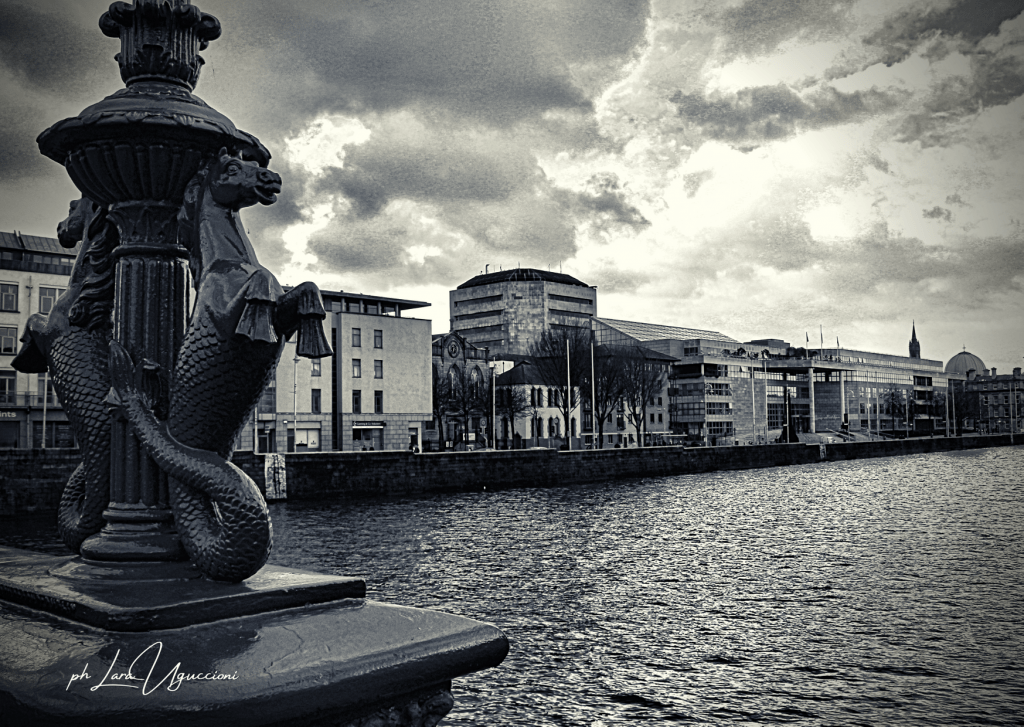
(23, 399)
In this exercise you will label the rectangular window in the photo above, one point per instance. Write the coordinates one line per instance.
(719, 408)
(357, 368)
(378, 402)
(659, 402)
(316, 367)
(652, 417)
(378, 369)
(8, 340)
(8, 297)
(357, 338)
(660, 419)
(357, 402)
(314, 401)
(378, 339)
(718, 389)
(8, 381)
(47, 297)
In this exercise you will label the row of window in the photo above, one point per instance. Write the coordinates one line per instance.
(8, 390)
(698, 408)
(995, 398)
(357, 338)
(357, 402)
(994, 387)
(9, 297)
(357, 368)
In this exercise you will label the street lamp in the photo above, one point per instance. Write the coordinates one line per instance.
(494, 424)
(295, 399)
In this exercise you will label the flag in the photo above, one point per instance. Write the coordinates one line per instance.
(807, 336)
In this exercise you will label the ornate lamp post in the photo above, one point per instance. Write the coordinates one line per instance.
(163, 176)
(135, 151)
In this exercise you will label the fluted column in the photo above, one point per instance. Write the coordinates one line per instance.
(150, 314)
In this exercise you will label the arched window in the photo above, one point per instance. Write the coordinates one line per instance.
(453, 381)
(533, 431)
(551, 426)
(573, 425)
(474, 380)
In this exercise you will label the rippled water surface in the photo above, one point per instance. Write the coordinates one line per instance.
(873, 592)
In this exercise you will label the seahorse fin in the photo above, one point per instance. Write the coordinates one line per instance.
(257, 322)
(310, 340)
(30, 359)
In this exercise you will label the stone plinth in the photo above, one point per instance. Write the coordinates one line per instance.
(346, 661)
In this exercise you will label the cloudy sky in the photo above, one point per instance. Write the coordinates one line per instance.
(757, 167)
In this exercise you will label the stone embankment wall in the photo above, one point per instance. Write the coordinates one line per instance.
(318, 475)
(32, 480)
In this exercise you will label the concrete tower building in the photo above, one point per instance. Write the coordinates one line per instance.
(507, 311)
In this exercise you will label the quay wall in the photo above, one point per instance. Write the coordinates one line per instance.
(32, 480)
(326, 475)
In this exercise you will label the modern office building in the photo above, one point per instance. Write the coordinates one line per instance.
(691, 407)
(508, 311)
(373, 394)
(722, 391)
(34, 272)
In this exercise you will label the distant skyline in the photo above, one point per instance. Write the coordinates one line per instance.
(756, 168)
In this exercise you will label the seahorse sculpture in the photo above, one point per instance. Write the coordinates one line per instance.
(234, 340)
(71, 343)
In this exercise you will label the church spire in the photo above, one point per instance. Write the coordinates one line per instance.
(915, 346)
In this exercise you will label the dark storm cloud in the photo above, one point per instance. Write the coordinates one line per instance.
(53, 53)
(767, 113)
(968, 20)
(974, 273)
(491, 60)
(19, 155)
(938, 213)
(756, 27)
(604, 202)
(52, 59)
(614, 279)
(995, 80)
(431, 165)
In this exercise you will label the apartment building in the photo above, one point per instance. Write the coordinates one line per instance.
(34, 272)
(372, 395)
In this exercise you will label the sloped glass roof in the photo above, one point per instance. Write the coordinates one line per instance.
(656, 332)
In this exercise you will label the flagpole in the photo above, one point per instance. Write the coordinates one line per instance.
(568, 395)
(593, 396)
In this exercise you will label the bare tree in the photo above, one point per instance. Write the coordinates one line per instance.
(643, 377)
(441, 395)
(513, 404)
(608, 385)
(566, 375)
(466, 394)
(895, 404)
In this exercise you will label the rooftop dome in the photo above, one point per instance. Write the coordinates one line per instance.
(964, 362)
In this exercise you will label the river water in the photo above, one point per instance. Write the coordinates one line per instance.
(873, 592)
